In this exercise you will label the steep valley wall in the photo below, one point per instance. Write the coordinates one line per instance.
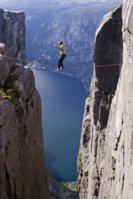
(105, 161)
(22, 170)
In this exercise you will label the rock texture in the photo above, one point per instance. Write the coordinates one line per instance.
(102, 151)
(117, 177)
(63, 190)
(83, 156)
(22, 171)
(12, 40)
(12, 32)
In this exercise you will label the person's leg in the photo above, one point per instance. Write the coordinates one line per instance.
(61, 60)
(59, 63)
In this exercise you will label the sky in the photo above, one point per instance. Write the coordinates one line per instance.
(36, 1)
(41, 4)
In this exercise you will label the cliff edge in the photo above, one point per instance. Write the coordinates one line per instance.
(22, 171)
(105, 158)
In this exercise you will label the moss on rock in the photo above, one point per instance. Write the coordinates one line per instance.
(12, 90)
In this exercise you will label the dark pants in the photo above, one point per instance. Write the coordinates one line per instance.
(60, 61)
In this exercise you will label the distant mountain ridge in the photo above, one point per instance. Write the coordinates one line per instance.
(33, 3)
(73, 22)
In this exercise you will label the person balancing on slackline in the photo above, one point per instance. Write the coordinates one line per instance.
(62, 50)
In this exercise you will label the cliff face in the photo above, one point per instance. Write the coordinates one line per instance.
(105, 159)
(119, 142)
(12, 40)
(108, 50)
(22, 171)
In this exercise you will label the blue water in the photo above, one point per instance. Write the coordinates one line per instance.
(63, 99)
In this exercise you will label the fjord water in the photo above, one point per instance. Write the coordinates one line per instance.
(63, 99)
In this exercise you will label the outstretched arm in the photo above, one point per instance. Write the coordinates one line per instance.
(60, 47)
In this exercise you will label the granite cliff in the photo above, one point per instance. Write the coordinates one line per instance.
(105, 160)
(22, 171)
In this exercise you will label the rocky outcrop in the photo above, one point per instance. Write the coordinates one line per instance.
(63, 190)
(22, 171)
(12, 40)
(12, 32)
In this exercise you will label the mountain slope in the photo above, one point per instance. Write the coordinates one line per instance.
(74, 22)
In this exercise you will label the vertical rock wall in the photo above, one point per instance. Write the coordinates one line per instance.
(22, 170)
(108, 52)
(12, 32)
(110, 145)
(12, 40)
(117, 177)
(83, 156)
